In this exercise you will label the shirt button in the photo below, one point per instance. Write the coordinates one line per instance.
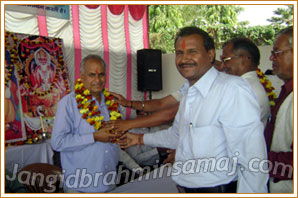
(106, 151)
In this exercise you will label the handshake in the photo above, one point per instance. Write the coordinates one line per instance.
(117, 131)
(108, 133)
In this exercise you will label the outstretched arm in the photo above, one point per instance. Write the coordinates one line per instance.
(154, 119)
(148, 106)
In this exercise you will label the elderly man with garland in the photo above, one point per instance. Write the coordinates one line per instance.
(241, 57)
(87, 154)
(279, 129)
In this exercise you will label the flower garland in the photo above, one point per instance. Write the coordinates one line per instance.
(89, 110)
(267, 86)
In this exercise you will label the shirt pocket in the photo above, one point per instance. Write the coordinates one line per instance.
(207, 142)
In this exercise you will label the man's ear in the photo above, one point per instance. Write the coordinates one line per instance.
(211, 54)
(81, 75)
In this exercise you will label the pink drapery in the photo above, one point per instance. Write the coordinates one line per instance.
(116, 9)
(129, 61)
(104, 29)
(136, 11)
(145, 37)
(42, 25)
(76, 40)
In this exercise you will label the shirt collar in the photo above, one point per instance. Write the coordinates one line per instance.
(250, 73)
(204, 83)
(102, 101)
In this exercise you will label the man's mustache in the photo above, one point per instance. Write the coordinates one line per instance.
(183, 65)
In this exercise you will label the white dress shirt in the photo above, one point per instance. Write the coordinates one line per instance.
(218, 120)
(261, 94)
(177, 95)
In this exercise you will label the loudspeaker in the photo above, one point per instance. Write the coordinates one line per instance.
(149, 70)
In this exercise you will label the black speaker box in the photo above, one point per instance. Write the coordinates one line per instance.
(149, 70)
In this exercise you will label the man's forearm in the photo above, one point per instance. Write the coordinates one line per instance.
(154, 105)
(155, 119)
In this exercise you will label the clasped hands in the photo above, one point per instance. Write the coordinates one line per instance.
(109, 134)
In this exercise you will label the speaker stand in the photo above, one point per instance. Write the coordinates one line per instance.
(150, 95)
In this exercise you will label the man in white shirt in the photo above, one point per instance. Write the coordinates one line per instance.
(241, 57)
(218, 122)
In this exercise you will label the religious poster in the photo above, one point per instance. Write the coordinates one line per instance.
(14, 125)
(42, 78)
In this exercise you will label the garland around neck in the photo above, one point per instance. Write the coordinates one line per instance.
(89, 110)
(267, 86)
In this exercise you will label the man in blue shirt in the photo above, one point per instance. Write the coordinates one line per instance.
(217, 132)
(88, 158)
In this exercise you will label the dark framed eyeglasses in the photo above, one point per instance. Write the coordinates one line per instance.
(276, 53)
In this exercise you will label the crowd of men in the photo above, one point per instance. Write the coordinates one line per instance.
(217, 115)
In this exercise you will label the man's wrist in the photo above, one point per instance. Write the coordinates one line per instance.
(140, 139)
(95, 136)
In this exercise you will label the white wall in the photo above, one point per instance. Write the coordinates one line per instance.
(172, 80)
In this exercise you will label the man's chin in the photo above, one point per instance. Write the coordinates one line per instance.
(96, 91)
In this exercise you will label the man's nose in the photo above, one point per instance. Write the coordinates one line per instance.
(185, 57)
(97, 77)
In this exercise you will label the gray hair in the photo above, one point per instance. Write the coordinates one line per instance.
(93, 57)
(288, 32)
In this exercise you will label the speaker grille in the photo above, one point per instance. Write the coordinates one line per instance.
(149, 70)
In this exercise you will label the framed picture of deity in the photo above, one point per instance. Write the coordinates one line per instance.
(35, 64)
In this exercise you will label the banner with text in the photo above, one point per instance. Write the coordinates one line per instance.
(57, 11)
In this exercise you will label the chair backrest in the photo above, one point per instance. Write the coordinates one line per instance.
(41, 178)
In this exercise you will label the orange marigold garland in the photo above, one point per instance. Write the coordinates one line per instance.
(89, 110)
(267, 86)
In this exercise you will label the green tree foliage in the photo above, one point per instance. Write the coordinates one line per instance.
(284, 16)
(164, 22)
(220, 21)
